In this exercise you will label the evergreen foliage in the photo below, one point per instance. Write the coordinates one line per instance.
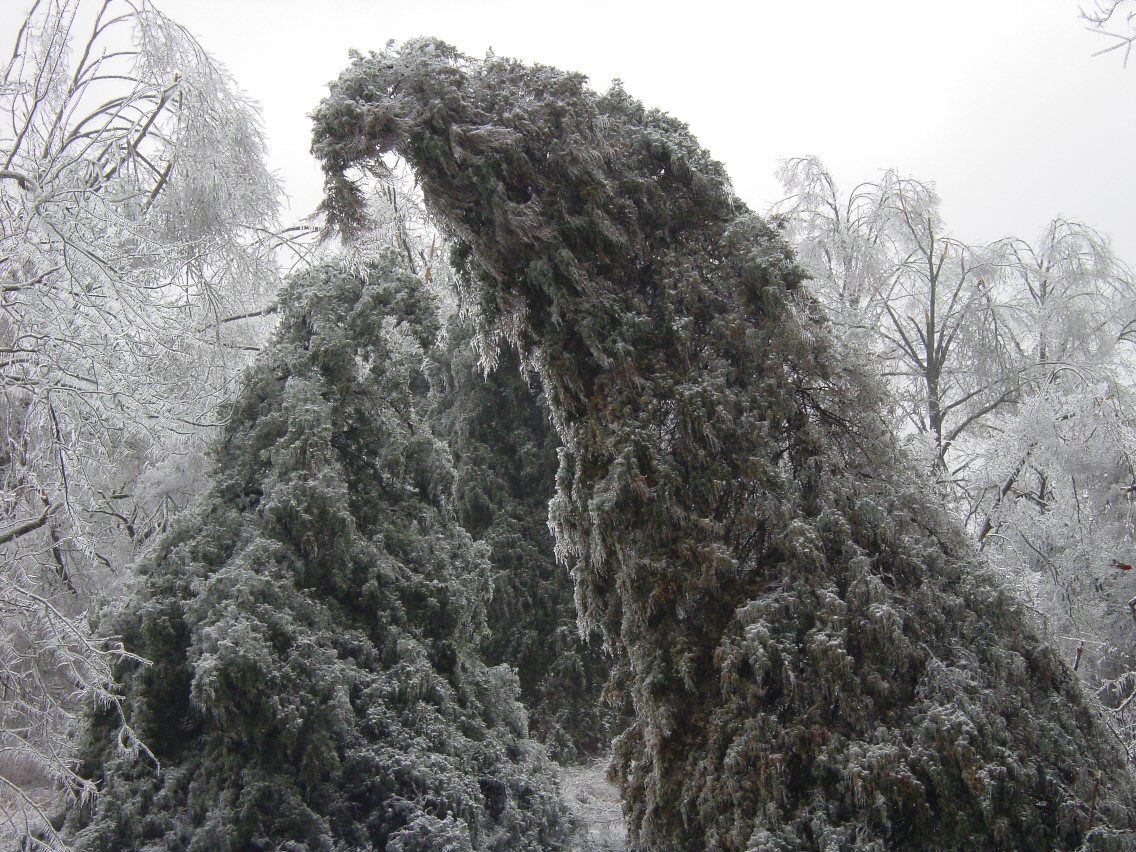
(505, 460)
(314, 626)
(814, 657)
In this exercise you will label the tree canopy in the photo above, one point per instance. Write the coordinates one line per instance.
(813, 654)
(314, 626)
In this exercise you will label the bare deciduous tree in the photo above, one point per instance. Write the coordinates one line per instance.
(1116, 20)
(897, 283)
(137, 254)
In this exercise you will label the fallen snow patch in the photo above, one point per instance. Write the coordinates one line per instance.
(594, 804)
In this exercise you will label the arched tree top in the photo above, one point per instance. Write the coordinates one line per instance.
(579, 190)
(811, 653)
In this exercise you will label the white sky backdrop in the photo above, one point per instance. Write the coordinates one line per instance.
(999, 103)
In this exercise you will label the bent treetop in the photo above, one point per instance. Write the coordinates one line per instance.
(813, 655)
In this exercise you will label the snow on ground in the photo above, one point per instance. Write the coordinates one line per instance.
(594, 804)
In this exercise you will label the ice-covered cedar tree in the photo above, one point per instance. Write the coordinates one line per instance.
(815, 658)
(504, 451)
(314, 625)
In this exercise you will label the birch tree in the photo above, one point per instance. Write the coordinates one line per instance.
(1051, 489)
(1070, 307)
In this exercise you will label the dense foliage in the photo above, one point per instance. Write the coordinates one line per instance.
(504, 452)
(814, 657)
(314, 626)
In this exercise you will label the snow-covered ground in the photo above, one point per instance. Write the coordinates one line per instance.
(594, 803)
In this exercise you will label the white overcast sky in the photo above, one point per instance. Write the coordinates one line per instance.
(998, 102)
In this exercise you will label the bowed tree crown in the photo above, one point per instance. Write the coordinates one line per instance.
(813, 656)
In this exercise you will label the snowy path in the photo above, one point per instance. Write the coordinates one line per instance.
(594, 803)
